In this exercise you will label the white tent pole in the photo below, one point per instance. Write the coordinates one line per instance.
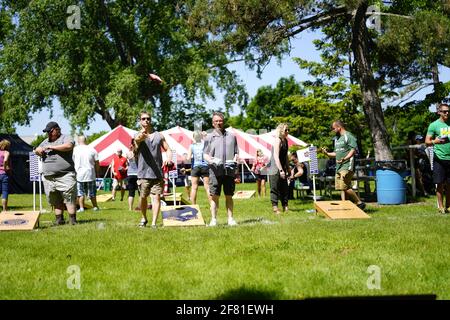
(250, 170)
(40, 193)
(314, 187)
(103, 180)
(34, 195)
(174, 193)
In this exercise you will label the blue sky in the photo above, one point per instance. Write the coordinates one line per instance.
(302, 47)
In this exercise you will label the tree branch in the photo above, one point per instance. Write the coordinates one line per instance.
(317, 20)
(414, 93)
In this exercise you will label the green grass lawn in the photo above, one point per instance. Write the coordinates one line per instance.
(295, 256)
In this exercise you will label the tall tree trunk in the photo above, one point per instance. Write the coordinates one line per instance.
(369, 87)
(359, 131)
(436, 82)
(104, 113)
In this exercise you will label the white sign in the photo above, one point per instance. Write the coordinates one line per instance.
(303, 155)
(173, 174)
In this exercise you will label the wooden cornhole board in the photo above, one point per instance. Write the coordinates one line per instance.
(243, 194)
(104, 197)
(18, 220)
(168, 198)
(87, 205)
(340, 210)
(181, 216)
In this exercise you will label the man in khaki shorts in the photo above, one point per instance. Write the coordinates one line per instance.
(148, 144)
(344, 150)
(58, 170)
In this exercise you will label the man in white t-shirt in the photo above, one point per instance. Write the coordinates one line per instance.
(86, 167)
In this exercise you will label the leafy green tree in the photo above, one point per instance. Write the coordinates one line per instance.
(268, 104)
(407, 55)
(102, 67)
(260, 30)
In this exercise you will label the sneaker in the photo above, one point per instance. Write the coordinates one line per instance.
(442, 210)
(362, 205)
(213, 223)
(96, 208)
(232, 222)
(143, 223)
(80, 210)
(154, 226)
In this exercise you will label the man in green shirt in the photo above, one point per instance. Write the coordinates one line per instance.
(438, 134)
(344, 150)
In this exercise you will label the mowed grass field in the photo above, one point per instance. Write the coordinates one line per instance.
(294, 256)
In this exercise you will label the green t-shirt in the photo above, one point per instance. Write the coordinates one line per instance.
(342, 146)
(440, 128)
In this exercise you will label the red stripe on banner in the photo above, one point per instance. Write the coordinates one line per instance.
(182, 139)
(290, 142)
(106, 162)
(119, 134)
(264, 143)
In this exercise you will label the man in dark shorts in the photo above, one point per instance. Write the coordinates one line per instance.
(438, 134)
(221, 152)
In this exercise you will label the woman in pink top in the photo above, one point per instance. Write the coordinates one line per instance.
(258, 165)
(4, 170)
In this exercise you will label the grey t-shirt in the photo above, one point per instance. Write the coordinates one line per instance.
(215, 144)
(150, 157)
(57, 162)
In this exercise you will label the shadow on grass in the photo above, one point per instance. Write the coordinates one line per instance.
(244, 293)
(47, 224)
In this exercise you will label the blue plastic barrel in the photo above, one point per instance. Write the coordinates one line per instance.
(391, 188)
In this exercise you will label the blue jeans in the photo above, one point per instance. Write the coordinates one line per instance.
(4, 185)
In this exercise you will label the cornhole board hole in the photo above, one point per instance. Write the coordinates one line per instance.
(340, 210)
(19, 220)
(179, 199)
(104, 197)
(182, 216)
(243, 194)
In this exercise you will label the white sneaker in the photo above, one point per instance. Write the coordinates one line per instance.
(96, 208)
(213, 223)
(80, 210)
(232, 222)
(143, 223)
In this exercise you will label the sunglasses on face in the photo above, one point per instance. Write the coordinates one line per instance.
(145, 119)
(445, 111)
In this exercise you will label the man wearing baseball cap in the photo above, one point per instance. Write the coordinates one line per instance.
(58, 172)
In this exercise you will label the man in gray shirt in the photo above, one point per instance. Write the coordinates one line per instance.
(221, 153)
(58, 172)
(148, 144)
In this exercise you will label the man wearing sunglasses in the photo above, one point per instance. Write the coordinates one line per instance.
(148, 145)
(438, 134)
(58, 171)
